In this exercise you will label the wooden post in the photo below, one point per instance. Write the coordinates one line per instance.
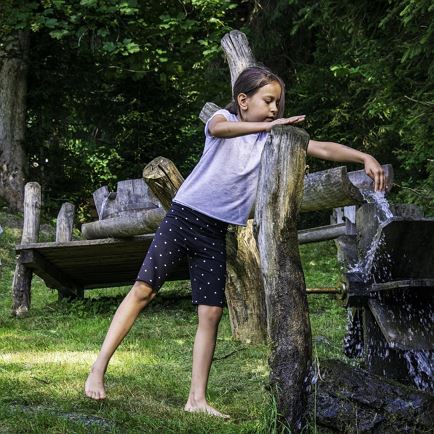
(278, 201)
(22, 281)
(65, 223)
(244, 291)
(238, 53)
(164, 179)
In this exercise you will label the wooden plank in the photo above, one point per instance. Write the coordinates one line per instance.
(85, 243)
(402, 331)
(53, 277)
(401, 284)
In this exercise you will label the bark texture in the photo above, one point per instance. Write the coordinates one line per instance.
(65, 223)
(23, 276)
(124, 225)
(278, 201)
(244, 291)
(246, 301)
(13, 89)
(164, 179)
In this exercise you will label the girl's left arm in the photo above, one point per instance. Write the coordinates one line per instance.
(337, 152)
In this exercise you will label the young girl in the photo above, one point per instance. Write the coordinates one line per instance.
(220, 190)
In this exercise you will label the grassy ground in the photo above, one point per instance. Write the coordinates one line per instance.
(45, 357)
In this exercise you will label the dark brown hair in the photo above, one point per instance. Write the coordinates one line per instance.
(249, 81)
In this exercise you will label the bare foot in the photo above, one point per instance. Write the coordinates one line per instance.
(94, 386)
(203, 407)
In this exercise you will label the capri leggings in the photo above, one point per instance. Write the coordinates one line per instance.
(187, 232)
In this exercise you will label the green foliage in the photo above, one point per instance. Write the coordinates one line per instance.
(363, 73)
(114, 84)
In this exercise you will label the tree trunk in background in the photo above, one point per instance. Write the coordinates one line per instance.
(244, 290)
(13, 90)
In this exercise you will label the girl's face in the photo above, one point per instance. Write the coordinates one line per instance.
(262, 106)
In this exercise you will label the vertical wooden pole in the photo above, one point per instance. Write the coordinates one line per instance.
(22, 281)
(244, 291)
(65, 223)
(280, 191)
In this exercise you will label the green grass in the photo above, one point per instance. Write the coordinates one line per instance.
(45, 358)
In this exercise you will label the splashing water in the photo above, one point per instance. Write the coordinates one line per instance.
(379, 199)
(420, 365)
(383, 214)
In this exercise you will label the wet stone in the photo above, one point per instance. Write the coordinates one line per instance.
(350, 399)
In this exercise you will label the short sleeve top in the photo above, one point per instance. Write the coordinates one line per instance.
(224, 182)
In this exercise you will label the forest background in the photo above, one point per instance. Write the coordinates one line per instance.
(105, 86)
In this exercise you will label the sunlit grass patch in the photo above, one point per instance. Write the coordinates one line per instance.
(45, 359)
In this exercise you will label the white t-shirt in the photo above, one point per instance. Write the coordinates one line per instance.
(223, 184)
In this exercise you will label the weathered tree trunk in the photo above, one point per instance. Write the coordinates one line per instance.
(278, 200)
(123, 226)
(238, 53)
(164, 179)
(130, 195)
(23, 276)
(13, 89)
(246, 301)
(244, 291)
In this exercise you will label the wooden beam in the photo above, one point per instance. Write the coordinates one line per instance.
(321, 233)
(124, 226)
(278, 202)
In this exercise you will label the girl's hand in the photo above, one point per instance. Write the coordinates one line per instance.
(287, 121)
(374, 170)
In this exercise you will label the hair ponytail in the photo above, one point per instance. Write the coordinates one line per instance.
(232, 107)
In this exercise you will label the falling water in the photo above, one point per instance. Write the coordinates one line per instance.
(379, 199)
(420, 364)
(383, 214)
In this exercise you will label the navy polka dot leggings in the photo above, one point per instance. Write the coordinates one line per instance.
(186, 232)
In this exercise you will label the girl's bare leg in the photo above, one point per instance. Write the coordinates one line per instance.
(139, 296)
(203, 351)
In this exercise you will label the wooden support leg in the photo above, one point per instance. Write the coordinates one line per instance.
(21, 290)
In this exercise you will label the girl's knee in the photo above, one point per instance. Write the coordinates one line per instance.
(142, 291)
(209, 314)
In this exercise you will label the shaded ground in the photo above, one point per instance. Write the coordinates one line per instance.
(351, 400)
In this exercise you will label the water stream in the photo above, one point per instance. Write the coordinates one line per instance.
(420, 364)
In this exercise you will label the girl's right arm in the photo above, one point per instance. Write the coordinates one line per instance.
(219, 126)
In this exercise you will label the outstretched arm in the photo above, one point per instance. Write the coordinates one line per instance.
(219, 126)
(337, 152)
